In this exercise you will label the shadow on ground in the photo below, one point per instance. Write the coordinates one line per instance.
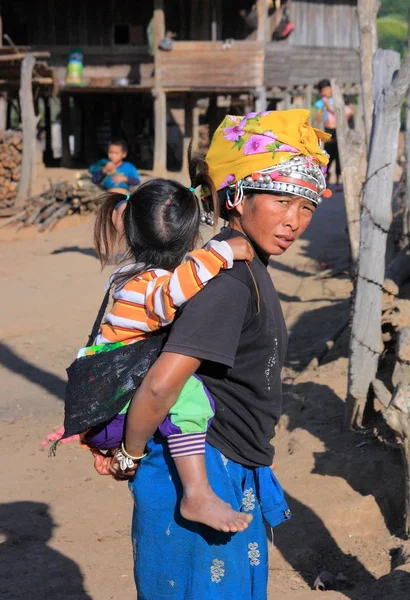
(312, 331)
(15, 363)
(29, 568)
(309, 548)
(85, 251)
(368, 466)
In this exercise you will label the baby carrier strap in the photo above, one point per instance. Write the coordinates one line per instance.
(96, 327)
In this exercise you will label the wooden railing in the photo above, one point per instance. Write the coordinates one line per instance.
(210, 65)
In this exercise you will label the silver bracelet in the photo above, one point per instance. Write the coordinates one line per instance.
(124, 461)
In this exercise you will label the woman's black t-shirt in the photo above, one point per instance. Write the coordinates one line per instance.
(242, 353)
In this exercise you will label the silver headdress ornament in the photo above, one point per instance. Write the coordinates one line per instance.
(299, 176)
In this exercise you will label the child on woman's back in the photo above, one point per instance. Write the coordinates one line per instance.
(161, 225)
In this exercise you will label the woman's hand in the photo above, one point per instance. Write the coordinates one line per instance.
(241, 248)
(107, 464)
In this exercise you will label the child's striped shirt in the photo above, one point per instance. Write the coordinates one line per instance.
(150, 301)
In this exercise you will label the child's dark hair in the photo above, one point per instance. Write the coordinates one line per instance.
(323, 83)
(121, 143)
(161, 225)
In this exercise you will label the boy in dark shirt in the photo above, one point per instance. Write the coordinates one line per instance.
(114, 174)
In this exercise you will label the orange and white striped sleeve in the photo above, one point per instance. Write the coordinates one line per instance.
(165, 294)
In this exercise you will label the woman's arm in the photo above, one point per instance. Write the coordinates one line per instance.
(156, 395)
(149, 407)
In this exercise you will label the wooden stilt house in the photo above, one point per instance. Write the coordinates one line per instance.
(155, 88)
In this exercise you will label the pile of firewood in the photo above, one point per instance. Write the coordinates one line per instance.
(60, 200)
(11, 145)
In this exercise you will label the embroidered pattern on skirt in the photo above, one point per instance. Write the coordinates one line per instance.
(248, 501)
(254, 554)
(217, 570)
(224, 459)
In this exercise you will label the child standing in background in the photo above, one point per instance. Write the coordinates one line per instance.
(114, 174)
(326, 119)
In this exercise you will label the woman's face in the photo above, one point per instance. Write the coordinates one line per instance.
(273, 222)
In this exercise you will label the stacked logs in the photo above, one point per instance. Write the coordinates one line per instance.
(60, 200)
(11, 145)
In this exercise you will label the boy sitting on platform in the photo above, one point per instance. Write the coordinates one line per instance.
(114, 174)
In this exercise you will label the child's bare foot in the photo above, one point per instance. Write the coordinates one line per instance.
(203, 506)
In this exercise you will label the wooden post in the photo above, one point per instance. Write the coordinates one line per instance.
(212, 115)
(188, 129)
(351, 147)
(3, 111)
(261, 101)
(29, 125)
(367, 13)
(398, 418)
(390, 84)
(195, 127)
(48, 151)
(260, 96)
(66, 160)
(262, 20)
(160, 100)
(308, 97)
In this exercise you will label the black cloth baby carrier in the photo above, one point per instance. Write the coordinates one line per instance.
(100, 385)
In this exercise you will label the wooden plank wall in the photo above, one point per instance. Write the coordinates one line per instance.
(73, 23)
(330, 23)
(193, 65)
(297, 65)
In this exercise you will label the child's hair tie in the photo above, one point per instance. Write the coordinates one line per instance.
(121, 202)
(192, 189)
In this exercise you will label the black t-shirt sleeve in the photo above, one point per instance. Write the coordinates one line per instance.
(209, 325)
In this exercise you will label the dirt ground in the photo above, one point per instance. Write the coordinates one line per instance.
(65, 530)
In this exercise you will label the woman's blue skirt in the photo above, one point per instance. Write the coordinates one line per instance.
(175, 559)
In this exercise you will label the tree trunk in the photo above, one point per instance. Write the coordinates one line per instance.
(351, 147)
(29, 124)
(367, 12)
(406, 215)
(389, 87)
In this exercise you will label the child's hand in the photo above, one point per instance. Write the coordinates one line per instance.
(109, 168)
(120, 178)
(241, 248)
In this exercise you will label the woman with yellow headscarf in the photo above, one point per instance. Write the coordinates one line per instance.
(267, 172)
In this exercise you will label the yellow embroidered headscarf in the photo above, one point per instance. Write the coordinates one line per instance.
(243, 145)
